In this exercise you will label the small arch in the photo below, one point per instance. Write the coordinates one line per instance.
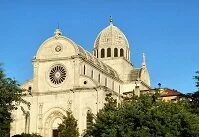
(99, 78)
(97, 53)
(109, 52)
(115, 52)
(102, 53)
(84, 70)
(92, 74)
(121, 52)
(29, 88)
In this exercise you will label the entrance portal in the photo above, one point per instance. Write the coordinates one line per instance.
(55, 133)
(55, 126)
(52, 122)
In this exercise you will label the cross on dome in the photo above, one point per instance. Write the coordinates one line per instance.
(111, 20)
(57, 32)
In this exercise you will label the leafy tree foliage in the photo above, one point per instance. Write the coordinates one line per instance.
(197, 79)
(10, 96)
(69, 127)
(142, 117)
(193, 98)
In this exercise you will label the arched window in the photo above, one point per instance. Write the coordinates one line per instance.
(84, 70)
(97, 53)
(109, 52)
(29, 88)
(99, 78)
(92, 74)
(102, 53)
(121, 52)
(115, 52)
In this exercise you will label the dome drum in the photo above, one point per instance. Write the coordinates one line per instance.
(111, 42)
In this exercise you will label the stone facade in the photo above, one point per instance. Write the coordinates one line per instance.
(69, 78)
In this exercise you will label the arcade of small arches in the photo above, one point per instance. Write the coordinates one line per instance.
(118, 52)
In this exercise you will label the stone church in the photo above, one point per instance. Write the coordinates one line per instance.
(66, 77)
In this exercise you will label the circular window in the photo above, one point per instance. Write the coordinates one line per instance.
(85, 82)
(58, 48)
(57, 74)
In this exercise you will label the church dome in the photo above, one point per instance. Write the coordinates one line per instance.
(111, 35)
(111, 39)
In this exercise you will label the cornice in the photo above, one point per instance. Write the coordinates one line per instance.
(74, 90)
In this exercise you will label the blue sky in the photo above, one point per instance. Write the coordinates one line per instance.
(167, 31)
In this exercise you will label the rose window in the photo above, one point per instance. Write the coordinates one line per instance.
(57, 74)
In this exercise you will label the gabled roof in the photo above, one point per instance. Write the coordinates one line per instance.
(169, 92)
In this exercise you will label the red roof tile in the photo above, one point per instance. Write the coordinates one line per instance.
(169, 92)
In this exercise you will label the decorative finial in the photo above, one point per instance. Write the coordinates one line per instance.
(57, 25)
(58, 32)
(143, 60)
(111, 20)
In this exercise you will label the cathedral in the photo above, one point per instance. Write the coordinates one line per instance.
(66, 77)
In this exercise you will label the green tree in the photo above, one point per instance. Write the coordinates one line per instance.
(68, 128)
(142, 117)
(196, 78)
(193, 98)
(10, 97)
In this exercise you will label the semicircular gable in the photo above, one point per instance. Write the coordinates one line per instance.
(57, 47)
(86, 81)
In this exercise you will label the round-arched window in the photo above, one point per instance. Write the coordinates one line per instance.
(57, 74)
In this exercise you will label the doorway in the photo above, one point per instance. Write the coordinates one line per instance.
(55, 132)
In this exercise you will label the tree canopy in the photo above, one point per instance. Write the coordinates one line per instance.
(196, 78)
(68, 128)
(142, 117)
(10, 96)
(193, 98)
